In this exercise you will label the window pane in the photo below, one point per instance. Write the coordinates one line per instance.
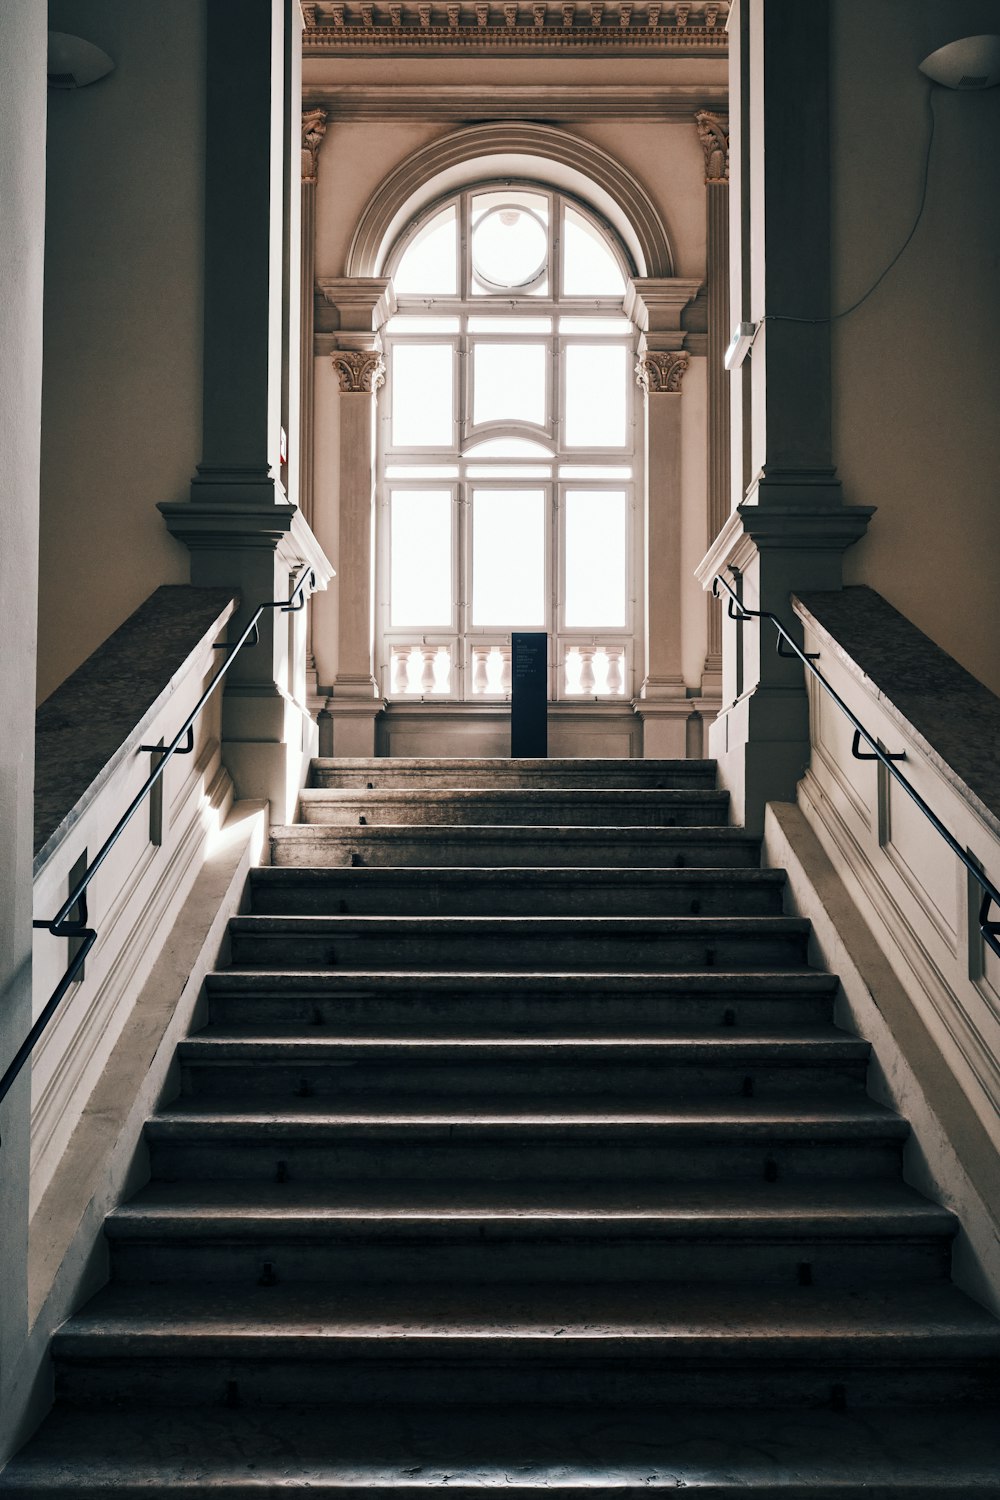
(595, 396)
(509, 471)
(593, 471)
(508, 557)
(440, 471)
(430, 261)
(421, 323)
(422, 412)
(507, 447)
(596, 560)
(592, 326)
(420, 557)
(504, 323)
(589, 268)
(509, 383)
(509, 247)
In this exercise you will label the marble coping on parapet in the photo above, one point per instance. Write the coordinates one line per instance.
(100, 714)
(953, 717)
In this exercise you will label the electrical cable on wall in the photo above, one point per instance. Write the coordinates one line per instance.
(743, 339)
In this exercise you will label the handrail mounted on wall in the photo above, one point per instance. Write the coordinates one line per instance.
(787, 646)
(71, 921)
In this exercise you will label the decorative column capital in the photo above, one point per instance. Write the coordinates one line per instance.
(661, 371)
(359, 369)
(314, 123)
(713, 132)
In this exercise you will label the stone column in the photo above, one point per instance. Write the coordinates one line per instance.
(314, 125)
(23, 39)
(656, 306)
(713, 132)
(239, 524)
(362, 304)
(791, 529)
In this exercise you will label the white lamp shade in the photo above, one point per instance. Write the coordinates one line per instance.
(972, 62)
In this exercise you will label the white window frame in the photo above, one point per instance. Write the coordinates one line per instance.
(464, 640)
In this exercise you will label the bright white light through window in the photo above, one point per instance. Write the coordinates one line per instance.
(430, 262)
(422, 401)
(596, 407)
(509, 383)
(508, 557)
(596, 558)
(420, 557)
(509, 247)
(507, 448)
(589, 268)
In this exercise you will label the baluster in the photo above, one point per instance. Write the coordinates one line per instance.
(428, 654)
(400, 671)
(587, 679)
(616, 676)
(480, 670)
(505, 669)
(442, 670)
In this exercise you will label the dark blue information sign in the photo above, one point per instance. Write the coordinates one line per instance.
(529, 728)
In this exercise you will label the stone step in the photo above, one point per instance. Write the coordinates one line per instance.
(828, 1235)
(445, 773)
(644, 807)
(636, 944)
(515, 1141)
(519, 1005)
(824, 1064)
(522, 846)
(584, 892)
(400, 1452)
(711, 1344)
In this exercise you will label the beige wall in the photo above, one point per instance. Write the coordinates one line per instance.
(123, 320)
(915, 382)
(665, 157)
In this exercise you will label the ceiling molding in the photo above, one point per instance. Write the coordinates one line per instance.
(465, 102)
(680, 28)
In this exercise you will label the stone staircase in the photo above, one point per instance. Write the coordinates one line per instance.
(520, 1149)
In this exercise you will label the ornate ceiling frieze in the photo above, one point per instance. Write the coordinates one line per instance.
(713, 132)
(661, 370)
(668, 27)
(314, 122)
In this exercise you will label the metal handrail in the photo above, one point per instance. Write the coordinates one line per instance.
(64, 924)
(989, 930)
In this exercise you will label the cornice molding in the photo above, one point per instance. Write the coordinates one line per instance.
(660, 371)
(314, 123)
(713, 132)
(679, 27)
(565, 104)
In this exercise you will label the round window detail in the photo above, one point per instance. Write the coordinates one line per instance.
(509, 248)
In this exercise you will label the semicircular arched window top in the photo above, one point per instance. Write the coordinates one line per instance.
(507, 461)
(517, 240)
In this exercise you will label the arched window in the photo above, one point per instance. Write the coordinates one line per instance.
(507, 463)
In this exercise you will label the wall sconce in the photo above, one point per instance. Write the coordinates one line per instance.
(972, 62)
(73, 62)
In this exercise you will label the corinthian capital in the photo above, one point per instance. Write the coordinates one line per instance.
(359, 369)
(659, 370)
(313, 131)
(713, 132)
